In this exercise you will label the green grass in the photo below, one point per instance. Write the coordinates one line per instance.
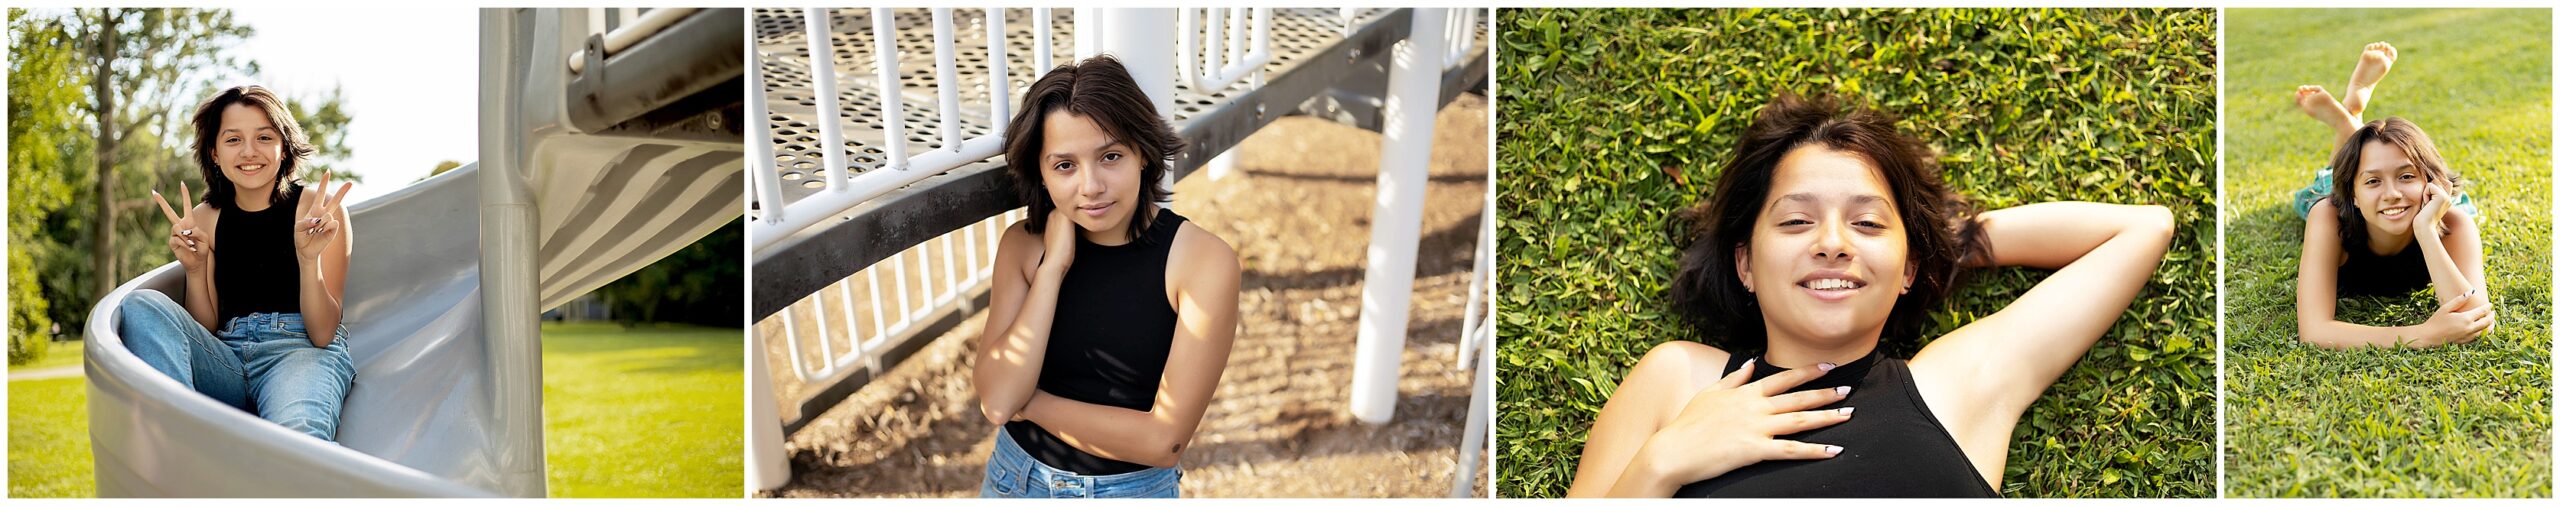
(2471, 420)
(49, 438)
(60, 354)
(1615, 119)
(648, 412)
(645, 412)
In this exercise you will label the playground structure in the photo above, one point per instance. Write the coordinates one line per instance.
(608, 140)
(884, 203)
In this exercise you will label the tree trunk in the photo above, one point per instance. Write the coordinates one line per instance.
(102, 235)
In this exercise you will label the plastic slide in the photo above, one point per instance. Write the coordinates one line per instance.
(440, 403)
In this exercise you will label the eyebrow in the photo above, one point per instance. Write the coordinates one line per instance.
(1106, 144)
(1809, 198)
(263, 128)
(2404, 165)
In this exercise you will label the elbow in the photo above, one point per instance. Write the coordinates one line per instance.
(995, 416)
(1167, 451)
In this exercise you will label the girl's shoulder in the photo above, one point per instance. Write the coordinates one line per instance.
(1686, 366)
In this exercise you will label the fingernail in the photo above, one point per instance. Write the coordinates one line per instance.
(1843, 390)
(1825, 366)
(1844, 411)
(1830, 450)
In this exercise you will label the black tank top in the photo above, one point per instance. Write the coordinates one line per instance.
(1109, 342)
(1892, 446)
(2368, 273)
(255, 270)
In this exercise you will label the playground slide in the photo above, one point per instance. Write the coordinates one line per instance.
(413, 424)
(441, 406)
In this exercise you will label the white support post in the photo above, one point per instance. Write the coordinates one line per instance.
(510, 238)
(1386, 299)
(1479, 407)
(1089, 27)
(884, 49)
(791, 342)
(760, 162)
(769, 465)
(1141, 49)
(822, 69)
(1042, 47)
(946, 83)
(1138, 42)
(999, 82)
(1476, 293)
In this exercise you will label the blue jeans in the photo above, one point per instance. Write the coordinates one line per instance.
(262, 363)
(1013, 474)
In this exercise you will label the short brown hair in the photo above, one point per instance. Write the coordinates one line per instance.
(1100, 89)
(208, 123)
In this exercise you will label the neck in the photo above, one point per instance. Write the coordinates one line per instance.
(253, 201)
(1794, 353)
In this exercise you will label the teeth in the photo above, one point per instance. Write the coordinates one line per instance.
(1830, 284)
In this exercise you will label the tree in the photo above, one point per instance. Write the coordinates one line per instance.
(112, 91)
(45, 151)
(698, 284)
(146, 67)
(441, 168)
(326, 123)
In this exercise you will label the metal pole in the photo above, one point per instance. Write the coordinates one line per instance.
(769, 466)
(510, 296)
(884, 49)
(1475, 287)
(1386, 298)
(1479, 407)
(1137, 37)
(822, 67)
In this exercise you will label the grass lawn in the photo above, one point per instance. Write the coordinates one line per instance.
(644, 412)
(648, 412)
(1605, 137)
(2470, 420)
(49, 438)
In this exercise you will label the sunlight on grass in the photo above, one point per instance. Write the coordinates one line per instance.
(49, 438)
(645, 412)
(2471, 420)
(1615, 119)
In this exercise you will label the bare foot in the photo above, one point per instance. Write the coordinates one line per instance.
(2316, 102)
(2370, 68)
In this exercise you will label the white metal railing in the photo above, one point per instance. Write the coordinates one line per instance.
(639, 26)
(1228, 56)
(965, 259)
(1462, 38)
(778, 219)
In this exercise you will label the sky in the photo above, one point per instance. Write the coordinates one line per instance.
(410, 78)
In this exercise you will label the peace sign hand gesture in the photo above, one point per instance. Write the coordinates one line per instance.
(193, 247)
(317, 221)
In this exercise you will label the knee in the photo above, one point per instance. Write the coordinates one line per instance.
(149, 302)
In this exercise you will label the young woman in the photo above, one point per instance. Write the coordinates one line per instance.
(1111, 315)
(1829, 232)
(266, 264)
(2405, 224)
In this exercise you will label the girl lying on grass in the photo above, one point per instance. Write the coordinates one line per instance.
(1830, 232)
(2404, 224)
